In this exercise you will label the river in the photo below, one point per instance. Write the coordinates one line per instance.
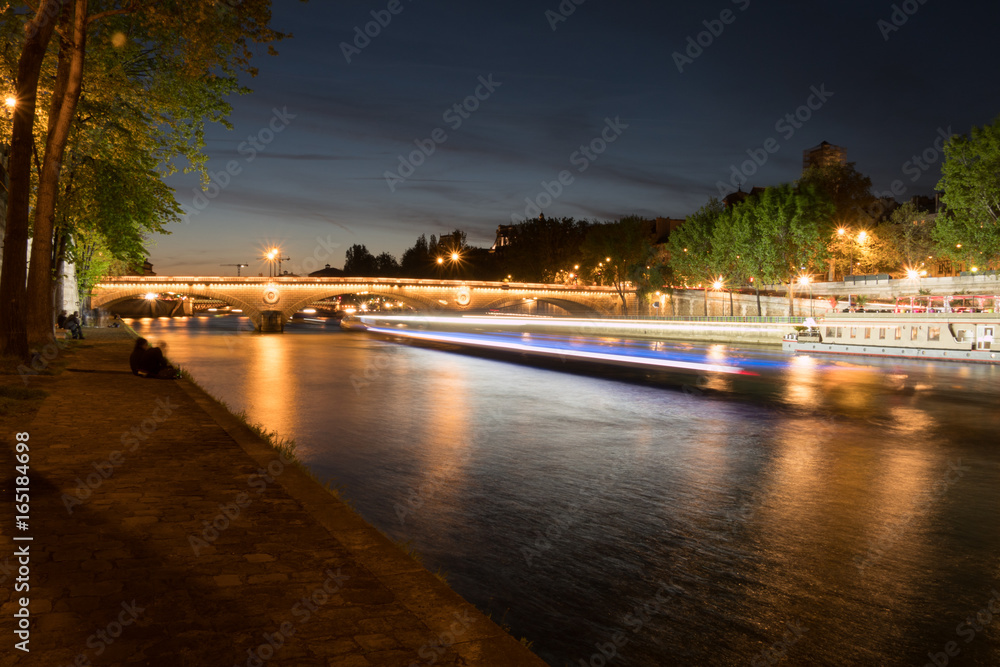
(833, 513)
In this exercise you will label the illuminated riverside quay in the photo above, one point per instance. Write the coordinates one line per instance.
(850, 502)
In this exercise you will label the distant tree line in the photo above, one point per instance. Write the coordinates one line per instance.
(827, 224)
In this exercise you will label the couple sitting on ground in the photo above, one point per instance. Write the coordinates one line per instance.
(149, 361)
(70, 323)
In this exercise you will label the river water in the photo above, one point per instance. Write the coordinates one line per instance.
(827, 513)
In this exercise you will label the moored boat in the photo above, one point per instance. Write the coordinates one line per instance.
(962, 328)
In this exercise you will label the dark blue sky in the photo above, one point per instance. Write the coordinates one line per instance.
(320, 184)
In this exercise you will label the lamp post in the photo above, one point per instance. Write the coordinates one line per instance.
(718, 286)
(271, 256)
(804, 279)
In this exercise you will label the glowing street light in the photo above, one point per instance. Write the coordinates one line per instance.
(149, 296)
(272, 255)
(11, 101)
(440, 260)
(806, 279)
(455, 256)
(912, 274)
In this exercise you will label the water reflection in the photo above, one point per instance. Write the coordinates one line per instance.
(826, 496)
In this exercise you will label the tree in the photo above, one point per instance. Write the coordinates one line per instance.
(792, 223)
(690, 246)
(733, 241)
(621, 255)
(855, 209)
(540, 248)
(198, 48)
(968, 231)
(359, 262)
(13, 294)
(848, 191)
(909, 235)
(416, 261)
(386, 265)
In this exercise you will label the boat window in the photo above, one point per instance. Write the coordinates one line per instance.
(899, 332)
(868, 332)
(854, 332)
(913, 333)
(881, 333)
(840, 332)
(933, 333)
(829, 332)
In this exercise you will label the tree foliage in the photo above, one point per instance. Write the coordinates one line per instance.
(692, 256)
(621, 254)
(969, 230)
(539, 249)
(156, 70)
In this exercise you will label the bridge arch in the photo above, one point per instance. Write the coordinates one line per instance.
(418, 302)
(108, 300)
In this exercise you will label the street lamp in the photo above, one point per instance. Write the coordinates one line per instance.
(718, 285)
(804, 279)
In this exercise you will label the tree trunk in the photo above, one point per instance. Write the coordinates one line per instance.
(791, 300)
(13, 290)
(731, 313)
(756, 287)
(66, 93)
(706, 301)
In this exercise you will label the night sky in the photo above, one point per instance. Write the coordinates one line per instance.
(669, 136)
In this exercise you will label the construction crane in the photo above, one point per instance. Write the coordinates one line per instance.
(238, 267)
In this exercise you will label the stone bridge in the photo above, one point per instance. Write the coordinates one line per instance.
(270, 302)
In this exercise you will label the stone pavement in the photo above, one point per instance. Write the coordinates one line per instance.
(166, 533)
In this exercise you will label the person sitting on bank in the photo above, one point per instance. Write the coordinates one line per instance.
(149, 361)
(73, 324)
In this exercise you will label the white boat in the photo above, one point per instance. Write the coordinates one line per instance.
(959, 328)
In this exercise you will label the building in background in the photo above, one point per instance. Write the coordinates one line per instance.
(824, 155)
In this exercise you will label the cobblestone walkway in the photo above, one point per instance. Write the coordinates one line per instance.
(165, 533)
